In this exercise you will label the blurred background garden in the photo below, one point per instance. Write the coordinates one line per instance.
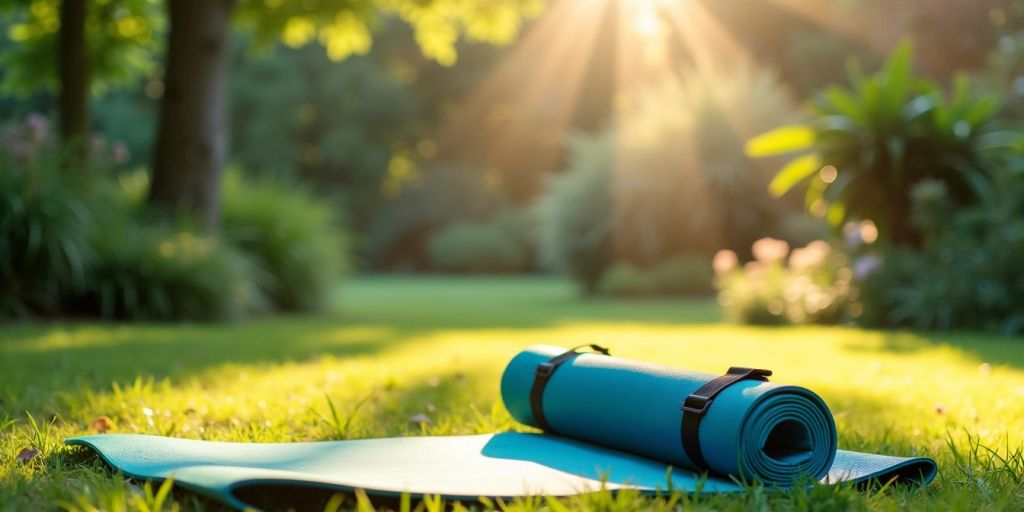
(194, 191)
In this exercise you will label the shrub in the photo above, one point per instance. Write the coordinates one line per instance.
(871, 143)
(574, 232)
(156, 272)
(75, 241)
(808, 285)
(292, 236)
(45, 218)
(626, 280)
(500, 244)
(966, 273)
(682, 184)
(683, 275)
(147, 268)
(399, 234)
(668, 177)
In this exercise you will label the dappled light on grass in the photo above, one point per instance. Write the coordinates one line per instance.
(377, 370)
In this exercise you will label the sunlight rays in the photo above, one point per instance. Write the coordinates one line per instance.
(706, 40)
(532, 93)
(851, 23)
(518, 115)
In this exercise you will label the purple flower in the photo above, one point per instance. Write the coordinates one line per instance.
(866, 265)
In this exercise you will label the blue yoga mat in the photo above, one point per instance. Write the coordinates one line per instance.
(618, 423)
(754, 430)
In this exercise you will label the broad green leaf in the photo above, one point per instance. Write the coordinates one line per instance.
(961, 88)
(841, 101)
(794, 172)
(840, 124)
(836, 214)
(815, 192)
(976, 179)
(982, 110)
(781, 140)
(918, 107)
(898, 73)
(999, 140)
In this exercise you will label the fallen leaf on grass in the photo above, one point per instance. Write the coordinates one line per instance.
(27, 454)
(101, 424)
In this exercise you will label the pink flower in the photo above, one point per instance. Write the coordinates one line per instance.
(770, 250)
(812, 256)
(119, 152)
(725, 261)
(37, 127)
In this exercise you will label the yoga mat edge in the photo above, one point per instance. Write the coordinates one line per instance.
(506, 465)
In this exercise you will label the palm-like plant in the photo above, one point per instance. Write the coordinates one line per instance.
(869, 143)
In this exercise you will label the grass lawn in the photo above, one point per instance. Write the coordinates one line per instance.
(402, 346)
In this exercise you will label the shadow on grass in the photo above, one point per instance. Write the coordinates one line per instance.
(377, 314)
(986, 348)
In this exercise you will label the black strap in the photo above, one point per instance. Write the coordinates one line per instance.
(696, 406)
(543, 375)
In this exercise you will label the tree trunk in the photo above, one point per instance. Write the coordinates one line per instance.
(73, 70)
(191, 139)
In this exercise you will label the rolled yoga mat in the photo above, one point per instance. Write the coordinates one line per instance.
(754, 430)
(618, 425)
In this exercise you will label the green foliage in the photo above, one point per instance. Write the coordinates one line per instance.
(77, 242)
(684, 275)
(678, 276)
(280, 248)
(502, 243)
(44, 223)
(158, 272)
(284, 122)
(347, 30)
(122, 37)
(880, 137)
(967, 271)
(1005, 66)
(128, 116)
(437, 196)
(809, 285)
(292, 236)
(668, 177)
(626, 280)
(574, 232)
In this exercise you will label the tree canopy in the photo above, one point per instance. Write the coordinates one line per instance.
(125, 37)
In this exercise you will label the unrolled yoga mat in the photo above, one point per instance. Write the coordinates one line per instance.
(618, 423)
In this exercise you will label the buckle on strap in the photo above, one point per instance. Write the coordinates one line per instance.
(697, 404)
(544, 370)
(543, 373)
